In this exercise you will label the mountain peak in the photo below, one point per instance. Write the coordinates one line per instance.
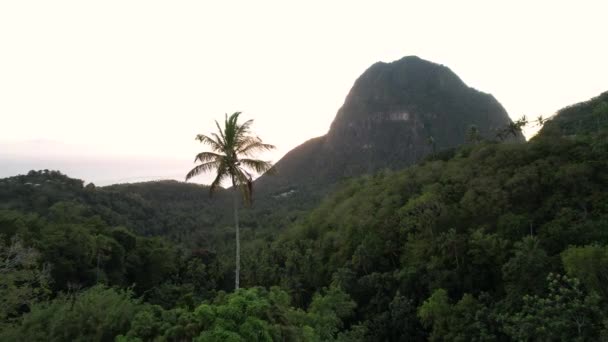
(388, 118)
(389, 87)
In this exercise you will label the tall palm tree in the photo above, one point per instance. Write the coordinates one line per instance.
(233, 148)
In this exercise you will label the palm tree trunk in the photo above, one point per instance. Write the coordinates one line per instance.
(238, 241)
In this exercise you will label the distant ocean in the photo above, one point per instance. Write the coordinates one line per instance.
(102, 171)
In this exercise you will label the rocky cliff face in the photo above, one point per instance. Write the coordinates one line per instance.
(388, 119)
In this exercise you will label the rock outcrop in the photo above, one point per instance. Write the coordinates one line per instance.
(394, 115)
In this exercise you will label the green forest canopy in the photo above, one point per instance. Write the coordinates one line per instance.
(488, 241)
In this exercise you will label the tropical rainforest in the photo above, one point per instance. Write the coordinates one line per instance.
(487, 241)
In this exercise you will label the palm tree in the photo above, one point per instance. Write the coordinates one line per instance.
(513, 128)
(231, 158)
(540, 120)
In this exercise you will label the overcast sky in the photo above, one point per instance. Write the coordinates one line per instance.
(115, 91)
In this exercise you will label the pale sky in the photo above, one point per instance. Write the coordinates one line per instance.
(128, 84)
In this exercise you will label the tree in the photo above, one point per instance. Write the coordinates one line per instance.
(513, 128)
(22, 281)
(232, 148)
(525, 272)
(466, 320)
(96, 314)
(540, 120)
(565, 313)
(590, 265)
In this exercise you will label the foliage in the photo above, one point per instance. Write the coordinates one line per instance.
(78, 251)
(487, 241)
(466, 320)
(232, 146)
(23, 282)
(97, 314)
(566, 313)
(253, 314)
(590, 265)
(486, 225)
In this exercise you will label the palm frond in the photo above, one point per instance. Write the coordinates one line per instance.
(253, 146)
(204, 157)
(240, 175)
(243, 181)
(248, 139)
(234, 117)
(202, 168)
(215, 145)
(221, 140)
(231, 129)
(244, 141)
(222, 173)
(259, 166)
(247, 191)
(219, 129)
(243, 128)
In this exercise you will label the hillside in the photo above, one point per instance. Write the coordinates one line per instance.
(386, 122)
(582, 118)
(486, 241)
(450, 249)
(172, 209)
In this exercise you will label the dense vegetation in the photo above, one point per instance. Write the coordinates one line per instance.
(489, 241)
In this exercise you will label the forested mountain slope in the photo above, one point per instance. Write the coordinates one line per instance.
(470, 246)
(168, 208)
(587, 117)
(486, 241)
